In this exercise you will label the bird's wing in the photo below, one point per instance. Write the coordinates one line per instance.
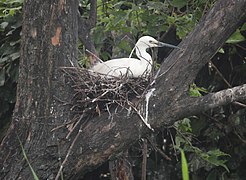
(117, 67)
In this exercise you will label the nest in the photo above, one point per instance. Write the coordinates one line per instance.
(94, 94)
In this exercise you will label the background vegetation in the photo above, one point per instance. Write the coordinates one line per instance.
(213, 142)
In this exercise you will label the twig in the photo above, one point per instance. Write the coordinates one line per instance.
(240, 104)
(76, 124)
(144, 162)
(68, 153)
(159, 150)
(94, 55)
(94, 92)
(220, 74)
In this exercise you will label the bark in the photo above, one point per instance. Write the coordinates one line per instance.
(39, 112)
(84, 27)
(121, 168)
(49, 41)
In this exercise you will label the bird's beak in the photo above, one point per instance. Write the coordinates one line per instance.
(161, 44)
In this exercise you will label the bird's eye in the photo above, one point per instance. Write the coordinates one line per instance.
(150, 41)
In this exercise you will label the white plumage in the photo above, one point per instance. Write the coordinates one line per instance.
(131, 67)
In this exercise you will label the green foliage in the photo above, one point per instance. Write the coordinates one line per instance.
(179, 3)
(10, 7)
(213, 157)
(10, 27)
(236, 37)
(185, 172)
(183, 140)
(195, 91)
(121, 19)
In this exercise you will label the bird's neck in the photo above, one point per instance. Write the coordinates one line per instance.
(144, 57)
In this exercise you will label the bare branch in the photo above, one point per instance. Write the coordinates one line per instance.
(84, 28)
(195, 105)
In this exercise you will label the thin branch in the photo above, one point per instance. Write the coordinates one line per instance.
(144, 162)
(220, 74)
(159, 150)
(68, 153)
(240, 104)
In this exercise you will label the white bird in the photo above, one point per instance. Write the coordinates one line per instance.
(131, 67)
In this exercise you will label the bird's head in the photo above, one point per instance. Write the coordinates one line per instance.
(148, 42)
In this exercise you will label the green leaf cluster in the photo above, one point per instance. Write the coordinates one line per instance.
(184, 142)
(121, 21)
(196, 91)
(10, 28)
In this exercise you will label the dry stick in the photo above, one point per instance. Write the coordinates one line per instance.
(173, 145)
(76, 124)
(144, 162)
(159, 150)
(239, 136)
(68, 153)
(97, 98)
(240, 104)
(62, 125)
(100, 91)
(220, 74)
(94, 55)
(238, 45)
(227, 83)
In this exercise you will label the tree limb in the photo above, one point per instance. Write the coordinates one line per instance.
(195, 105)
(181, 67)
(84, 28)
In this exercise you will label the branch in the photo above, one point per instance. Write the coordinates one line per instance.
(181, 67)
(195, 105)
(84, 28)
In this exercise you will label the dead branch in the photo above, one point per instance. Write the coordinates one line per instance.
(84, 28)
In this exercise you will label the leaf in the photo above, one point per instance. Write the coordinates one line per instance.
(213, 158)
(195, 91)
(243, 28)
(185, 172)
(221, 50)
(3, 59)
(179, 3)
(2, 77)
(12, 12)
(236, 37)
(178, 141)
(14, 56)
(4, 25)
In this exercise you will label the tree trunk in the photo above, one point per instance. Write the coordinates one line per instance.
(41, 121)
(49, 41)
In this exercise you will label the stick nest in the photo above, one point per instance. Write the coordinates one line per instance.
(95, 94)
